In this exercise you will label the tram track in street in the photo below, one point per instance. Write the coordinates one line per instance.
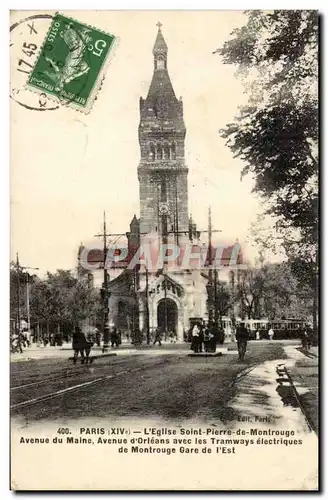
(83, 384)
(69, 389)
(68, 372)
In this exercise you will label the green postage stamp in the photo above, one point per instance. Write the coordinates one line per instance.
(71, 63)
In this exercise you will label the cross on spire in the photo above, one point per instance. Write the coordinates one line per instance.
(159, 25)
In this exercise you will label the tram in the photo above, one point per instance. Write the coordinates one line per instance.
(283, 328)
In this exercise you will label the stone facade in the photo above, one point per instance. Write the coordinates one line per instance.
(174, 296)
(166, 298)
(162, 172)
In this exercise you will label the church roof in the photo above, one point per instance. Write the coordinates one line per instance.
(161, 109)
(161, 86)
(161, 101)
(160, 44)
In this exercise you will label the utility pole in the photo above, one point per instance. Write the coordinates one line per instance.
(215, 296)
(210, 272)
(28, 297)
(28, 302)
(105, 293)
(212, 282)
(20, 269)
(147, 307)
(18, 305)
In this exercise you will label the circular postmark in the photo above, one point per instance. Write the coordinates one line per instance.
(28, 45)
(26, 39)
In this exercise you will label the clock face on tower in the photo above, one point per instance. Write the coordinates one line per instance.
(164, 208)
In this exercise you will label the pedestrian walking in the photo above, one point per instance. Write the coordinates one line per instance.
(305, 338)
(16, 345)
(79, 345)
(201, 338)
(195, 340)
(158, 337)
(209, 340)
(98, 337)
(114, 337)
(271, 334)
(242, 337)
(172, 337)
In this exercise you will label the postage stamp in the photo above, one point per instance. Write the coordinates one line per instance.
(71, 63)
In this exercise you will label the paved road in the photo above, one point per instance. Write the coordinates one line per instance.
(147, 384)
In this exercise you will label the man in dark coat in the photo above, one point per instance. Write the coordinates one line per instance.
(158, 337)
(79, 344)
(114, 337)
(98, 337)
(305, 338)
(242, 337)
(207, 346)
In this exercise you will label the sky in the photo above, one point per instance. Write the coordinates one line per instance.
(68, 167)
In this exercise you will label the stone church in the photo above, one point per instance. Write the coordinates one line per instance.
(167, 297)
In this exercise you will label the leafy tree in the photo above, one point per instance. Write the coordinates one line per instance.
(63, 299)
(276, 134)
(272, 291)
(283, 297)
(250, 288)
(223, 300)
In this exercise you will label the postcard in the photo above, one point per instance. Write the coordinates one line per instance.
(164, 250)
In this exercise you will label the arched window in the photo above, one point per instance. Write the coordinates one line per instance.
(166, 152)
(158, 151)
(152, 152)
(173, 154)
(160, 63)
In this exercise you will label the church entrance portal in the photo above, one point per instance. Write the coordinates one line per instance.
(167, 316)
(127, 318)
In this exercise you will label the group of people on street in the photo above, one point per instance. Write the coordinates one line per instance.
(269, 335)
(81, 346)
(115, 337)
(203, 337)
(20, 340)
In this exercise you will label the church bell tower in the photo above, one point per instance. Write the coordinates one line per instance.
(162, 173)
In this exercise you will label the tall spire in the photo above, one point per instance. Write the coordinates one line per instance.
(160, 47)
(161, 84)
(162, 171)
